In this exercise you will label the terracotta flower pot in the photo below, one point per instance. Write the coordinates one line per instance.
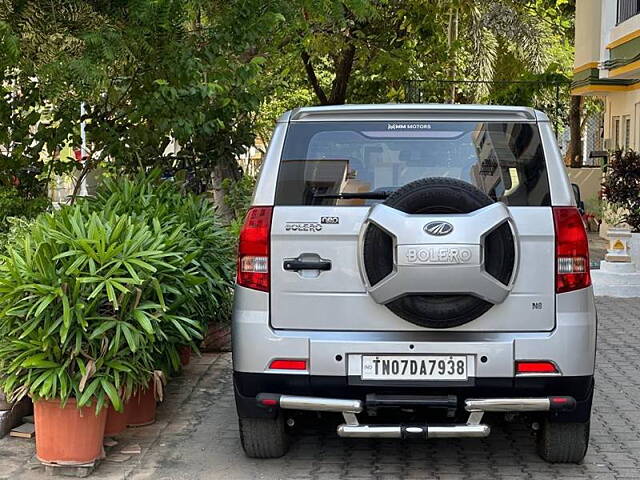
(140, 410)
(68, 435)
(185, 355)
(217, 338)
(116, 422)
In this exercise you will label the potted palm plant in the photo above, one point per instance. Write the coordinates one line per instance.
(82, 319)
(207, 298)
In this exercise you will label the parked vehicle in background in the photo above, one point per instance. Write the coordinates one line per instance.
(413, 267)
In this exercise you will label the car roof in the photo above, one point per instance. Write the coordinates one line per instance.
(413, 111)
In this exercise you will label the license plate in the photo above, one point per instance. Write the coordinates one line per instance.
(414, 367)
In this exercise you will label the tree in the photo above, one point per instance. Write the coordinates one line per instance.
(187, 84)
(354, 49)
(167, 83)
(365, 50)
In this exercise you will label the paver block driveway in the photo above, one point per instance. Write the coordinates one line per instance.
(196, 434)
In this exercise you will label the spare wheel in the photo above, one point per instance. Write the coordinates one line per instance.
(418, 284)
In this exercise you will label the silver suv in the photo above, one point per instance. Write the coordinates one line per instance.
(413, 268)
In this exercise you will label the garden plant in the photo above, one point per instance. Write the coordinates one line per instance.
(96, 298)
(622, 184)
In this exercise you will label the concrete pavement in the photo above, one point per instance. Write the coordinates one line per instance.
(196, 435)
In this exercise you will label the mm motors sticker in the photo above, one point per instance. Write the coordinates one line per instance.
(408, 126)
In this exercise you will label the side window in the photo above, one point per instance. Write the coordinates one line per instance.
(616, 132)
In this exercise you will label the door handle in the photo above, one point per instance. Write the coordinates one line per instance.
(306, 261)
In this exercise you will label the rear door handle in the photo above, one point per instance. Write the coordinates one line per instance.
(306, 261)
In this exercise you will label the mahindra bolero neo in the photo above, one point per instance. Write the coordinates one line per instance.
(419, 271)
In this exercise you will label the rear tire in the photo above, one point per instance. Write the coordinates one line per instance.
(563, 442)
(264, 437)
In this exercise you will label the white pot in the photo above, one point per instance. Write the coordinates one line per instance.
(619, 241)
(634, 249)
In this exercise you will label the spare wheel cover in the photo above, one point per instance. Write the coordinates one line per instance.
(439, 196)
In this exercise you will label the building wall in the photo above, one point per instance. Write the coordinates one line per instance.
(607, 66)
(588, 179)
(587, 22)
(608, 18)
(627, 27)
(623, 105)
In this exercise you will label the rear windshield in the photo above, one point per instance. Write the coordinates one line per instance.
(359, 163)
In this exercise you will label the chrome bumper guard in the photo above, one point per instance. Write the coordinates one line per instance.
(472, 428)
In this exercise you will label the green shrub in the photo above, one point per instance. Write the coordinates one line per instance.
(13, 204)
(17, 227)
(210, 247)
(87, 305)
(622, 184)
(238, 195)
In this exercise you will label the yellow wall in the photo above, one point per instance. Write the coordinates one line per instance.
(620, 104)
(596, 32)
(624, 31)
(587, 32)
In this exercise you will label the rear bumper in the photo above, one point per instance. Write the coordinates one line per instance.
(249, 385)
(571, 345)
(473, 427)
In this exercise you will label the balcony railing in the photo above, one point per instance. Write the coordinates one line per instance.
(628, 9)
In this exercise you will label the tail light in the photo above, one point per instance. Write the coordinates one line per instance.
(572, 250)
(288, 365)
(253, 249)
(539, 367)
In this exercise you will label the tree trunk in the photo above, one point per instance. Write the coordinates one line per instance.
(222, 171)
(313, 80)
(343, 67)
(573, 156)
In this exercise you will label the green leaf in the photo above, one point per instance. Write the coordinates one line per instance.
(119, 366)
(68, 253)
(31, 325)
(144, 322)
(142, 264)
(129, 337)
(44, 303)
(39, 361)
(158, 289)
(181, 329)
(103, 328)
(111, 294)
(112, 393)
(88, 392)
(66, 311)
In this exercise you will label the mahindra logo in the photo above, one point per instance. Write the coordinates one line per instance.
(438, 228)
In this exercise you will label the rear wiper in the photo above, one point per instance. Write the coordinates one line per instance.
(348, 195)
